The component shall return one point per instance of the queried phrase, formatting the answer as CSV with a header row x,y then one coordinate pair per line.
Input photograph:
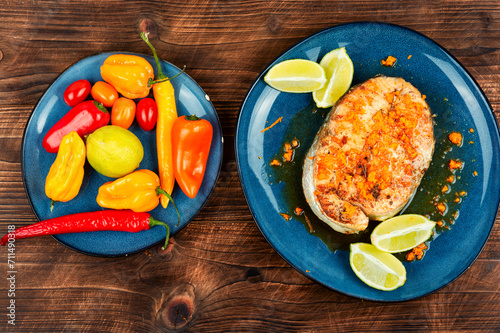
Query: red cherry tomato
x,y
147,113
123,112
76,92
104,93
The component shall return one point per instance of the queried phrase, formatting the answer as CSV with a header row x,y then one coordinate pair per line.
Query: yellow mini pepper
x,y
129,74
66,173
138,191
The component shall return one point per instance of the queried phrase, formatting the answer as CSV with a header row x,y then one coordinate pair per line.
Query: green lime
x,y
114,151
296,76
339,72
402,233
378,269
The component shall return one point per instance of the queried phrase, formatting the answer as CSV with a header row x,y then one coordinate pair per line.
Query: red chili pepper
x,y
84,119
115,220
147,113
77,92
191,140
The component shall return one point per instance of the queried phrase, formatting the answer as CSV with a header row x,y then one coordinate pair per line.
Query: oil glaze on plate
x,y
457,103
190,99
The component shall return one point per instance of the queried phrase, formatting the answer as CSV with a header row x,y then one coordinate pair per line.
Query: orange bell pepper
x,y
129,74
191,141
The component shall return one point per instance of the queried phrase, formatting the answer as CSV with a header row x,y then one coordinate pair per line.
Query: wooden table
x,y
220,274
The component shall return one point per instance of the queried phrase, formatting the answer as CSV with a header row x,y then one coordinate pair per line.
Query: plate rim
x,y
303,40
30,118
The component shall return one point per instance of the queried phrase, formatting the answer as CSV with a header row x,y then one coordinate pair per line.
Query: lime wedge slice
x,y
296,76
378,269
339,71
402,233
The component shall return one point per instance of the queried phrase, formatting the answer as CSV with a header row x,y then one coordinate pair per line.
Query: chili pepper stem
x,y
145,37
165,193
151,82
160,77
153,222
52,203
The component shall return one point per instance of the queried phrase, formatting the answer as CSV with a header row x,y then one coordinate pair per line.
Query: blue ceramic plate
x,y
190,98
458,105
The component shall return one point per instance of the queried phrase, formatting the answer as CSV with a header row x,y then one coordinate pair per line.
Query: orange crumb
x,y
389,62
270,126
275,162
288,154
455,138
471,130
409,57
475,173
416,253
450,179
298,211
410,256
286,216
441,207
457,200
445,189
439,223
455,164
462,193
295,143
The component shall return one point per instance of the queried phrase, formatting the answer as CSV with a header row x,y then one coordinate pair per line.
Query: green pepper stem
x,y
144,36
100,107
52,203
153,222
159,191
192,117
151,82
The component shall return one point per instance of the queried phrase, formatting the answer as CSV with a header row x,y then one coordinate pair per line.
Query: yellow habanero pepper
x,y
138,191
163,92
128,74
66,173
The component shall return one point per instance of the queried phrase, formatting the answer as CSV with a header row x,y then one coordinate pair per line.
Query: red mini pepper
x,y
84,119
77,92
115,220
191,140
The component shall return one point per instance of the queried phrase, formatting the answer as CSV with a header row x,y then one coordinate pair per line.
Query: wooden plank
x,y
219,274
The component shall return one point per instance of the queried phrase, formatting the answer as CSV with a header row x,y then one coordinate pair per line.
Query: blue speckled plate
x,y
458,105
190,98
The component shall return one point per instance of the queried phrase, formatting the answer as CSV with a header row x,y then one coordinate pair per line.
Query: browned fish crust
x,y
370,155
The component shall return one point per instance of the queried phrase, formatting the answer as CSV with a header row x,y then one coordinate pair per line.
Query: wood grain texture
x,y
219,274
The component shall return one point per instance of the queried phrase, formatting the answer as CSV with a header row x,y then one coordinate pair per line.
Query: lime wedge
x,y
378,269
296,76
339,71
402,233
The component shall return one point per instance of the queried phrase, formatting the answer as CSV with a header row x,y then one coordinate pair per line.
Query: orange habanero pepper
x,y
191,140
138,191
129,74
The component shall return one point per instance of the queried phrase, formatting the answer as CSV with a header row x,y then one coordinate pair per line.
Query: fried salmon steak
x,y
370,155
